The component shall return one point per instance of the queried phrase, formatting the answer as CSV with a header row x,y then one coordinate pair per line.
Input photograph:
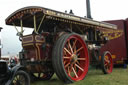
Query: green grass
x,y
119,76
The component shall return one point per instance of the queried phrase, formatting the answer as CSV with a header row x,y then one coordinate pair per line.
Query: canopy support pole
x,y
41,22
21,24
34,18
15,28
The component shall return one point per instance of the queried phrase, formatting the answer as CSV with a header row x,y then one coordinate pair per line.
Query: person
x,y
13,62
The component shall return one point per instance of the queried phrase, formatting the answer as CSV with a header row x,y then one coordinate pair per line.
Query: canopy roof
x,y
26,15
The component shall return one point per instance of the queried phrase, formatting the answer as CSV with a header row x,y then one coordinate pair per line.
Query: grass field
x,y
119,76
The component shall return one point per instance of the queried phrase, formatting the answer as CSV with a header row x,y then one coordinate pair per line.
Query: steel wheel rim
x,y
108,64
75,58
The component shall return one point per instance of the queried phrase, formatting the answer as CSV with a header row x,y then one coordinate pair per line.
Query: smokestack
x,y
88,9
0,42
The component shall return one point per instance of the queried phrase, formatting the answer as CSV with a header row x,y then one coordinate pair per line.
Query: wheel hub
x,y
74,58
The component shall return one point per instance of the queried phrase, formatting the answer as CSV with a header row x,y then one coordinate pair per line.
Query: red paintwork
x,y
108,63
118,46
74,56
33,45
126,32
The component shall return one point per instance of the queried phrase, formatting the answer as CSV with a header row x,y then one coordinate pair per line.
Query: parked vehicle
x,y
118,42
60,42
13,76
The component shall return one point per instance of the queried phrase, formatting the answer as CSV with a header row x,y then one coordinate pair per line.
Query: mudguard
x,y
13,72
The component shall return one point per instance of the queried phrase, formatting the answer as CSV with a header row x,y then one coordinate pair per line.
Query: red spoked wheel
x,y
107,63
70,58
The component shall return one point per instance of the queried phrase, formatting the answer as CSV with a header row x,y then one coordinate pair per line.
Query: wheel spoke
x,y
75,67
106,60
22,78
14,81
65,57
77,62
78,54
64,62
69,70
67,51
81,58
70,46
75,72
74,45
106,57
67,65
79,67
74,49
79,50
17,77
107,67
105,64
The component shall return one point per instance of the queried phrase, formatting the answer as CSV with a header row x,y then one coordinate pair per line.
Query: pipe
x,y
88,9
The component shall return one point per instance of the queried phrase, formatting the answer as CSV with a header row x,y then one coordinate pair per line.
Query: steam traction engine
x,y
61,43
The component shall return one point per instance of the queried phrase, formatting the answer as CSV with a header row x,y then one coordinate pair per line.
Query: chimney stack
x,y
88,9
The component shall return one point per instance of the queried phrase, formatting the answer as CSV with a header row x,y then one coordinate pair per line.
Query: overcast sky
x,y
101,10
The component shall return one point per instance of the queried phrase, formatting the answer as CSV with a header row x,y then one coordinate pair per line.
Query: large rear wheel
x,y
107,63
70,58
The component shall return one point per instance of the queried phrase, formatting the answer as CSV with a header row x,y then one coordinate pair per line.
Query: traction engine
x,y
60,42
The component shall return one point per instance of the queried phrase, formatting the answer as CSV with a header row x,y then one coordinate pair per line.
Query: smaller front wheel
x,y
107,63
21,78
